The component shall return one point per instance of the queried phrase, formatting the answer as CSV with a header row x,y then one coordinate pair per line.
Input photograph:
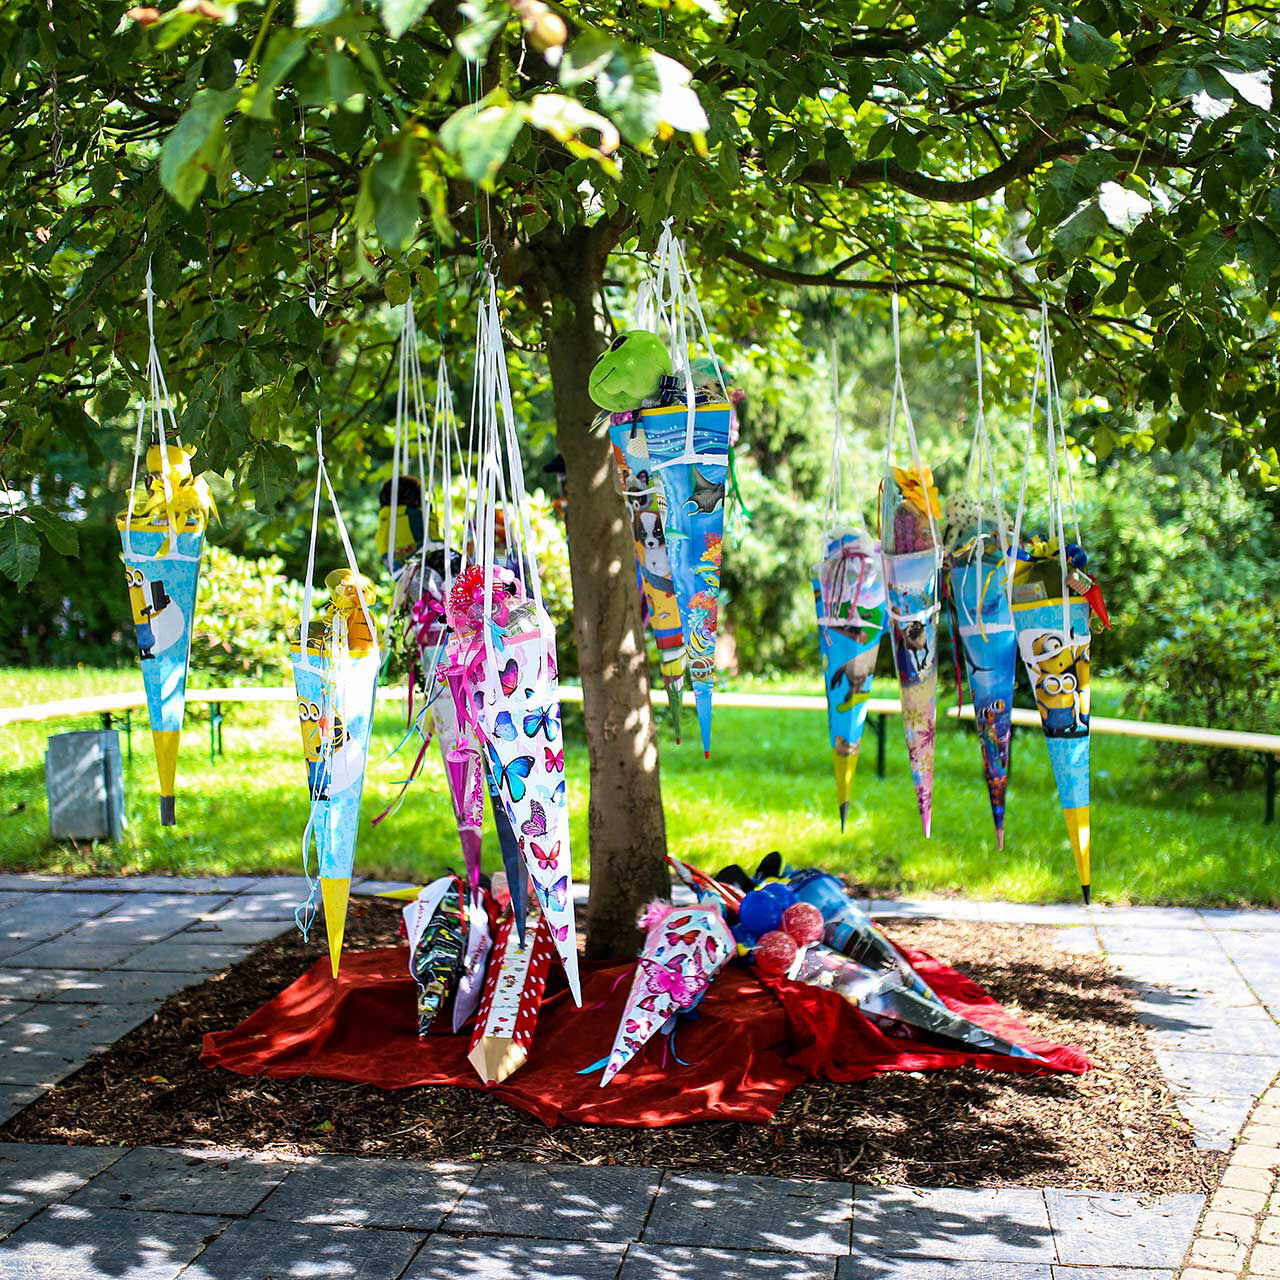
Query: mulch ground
x,y
1113,1129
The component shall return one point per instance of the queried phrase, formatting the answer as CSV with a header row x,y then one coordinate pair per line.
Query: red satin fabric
x,y
750,1044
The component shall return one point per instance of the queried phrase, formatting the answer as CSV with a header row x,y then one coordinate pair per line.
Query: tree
x,y
976,155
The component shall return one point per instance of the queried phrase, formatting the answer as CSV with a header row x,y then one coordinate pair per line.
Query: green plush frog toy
x,y
629,371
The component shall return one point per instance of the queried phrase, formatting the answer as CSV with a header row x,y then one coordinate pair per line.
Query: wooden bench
x,y
110,705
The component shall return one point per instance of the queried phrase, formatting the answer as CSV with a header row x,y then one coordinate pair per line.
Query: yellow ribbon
x,y
924,500
172,497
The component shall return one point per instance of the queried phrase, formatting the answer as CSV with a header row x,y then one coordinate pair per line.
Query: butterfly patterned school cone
x,y
1053,623
335,675
517,682
644,509
849,598
513,989
162,537
911,555
683,949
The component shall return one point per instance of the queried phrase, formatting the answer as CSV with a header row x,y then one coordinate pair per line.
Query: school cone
x,y
845,767
166,746
336,893
1078,831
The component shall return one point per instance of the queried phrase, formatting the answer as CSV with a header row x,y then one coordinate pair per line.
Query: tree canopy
x,y
1118,157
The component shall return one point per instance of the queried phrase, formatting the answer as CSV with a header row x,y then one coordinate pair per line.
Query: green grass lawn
x,y
767,785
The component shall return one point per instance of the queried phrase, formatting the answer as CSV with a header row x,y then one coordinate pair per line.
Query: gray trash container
x,y
85,785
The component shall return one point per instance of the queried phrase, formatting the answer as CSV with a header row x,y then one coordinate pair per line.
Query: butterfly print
x,y
554,760
554,896
560,932
688,939
536,824
504,727
510,677
544,720
513,775
551,795
547,858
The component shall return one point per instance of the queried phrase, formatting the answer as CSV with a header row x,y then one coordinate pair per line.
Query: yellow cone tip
x,y
844,767
166,745
400,895
336,894
1078,831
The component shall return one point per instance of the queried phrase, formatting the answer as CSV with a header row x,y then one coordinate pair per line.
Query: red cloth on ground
x,y
748,1047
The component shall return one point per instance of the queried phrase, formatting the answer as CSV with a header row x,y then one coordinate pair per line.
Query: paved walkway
x,y
82,963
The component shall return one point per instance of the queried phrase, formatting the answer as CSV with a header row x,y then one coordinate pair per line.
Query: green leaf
x,y
191,152
284,49
1122,208
314,13
60,534
938,18
1253,87
399,15
19,548
585,58
395,192
481,137
271,471
1087,46
484,21
631,93
252,148
397,288
1074,236
906,149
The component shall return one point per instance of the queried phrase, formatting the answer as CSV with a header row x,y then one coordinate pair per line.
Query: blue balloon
x,y
780,892
742,935
761,911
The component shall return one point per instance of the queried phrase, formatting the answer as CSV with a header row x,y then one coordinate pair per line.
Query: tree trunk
x,y
627,828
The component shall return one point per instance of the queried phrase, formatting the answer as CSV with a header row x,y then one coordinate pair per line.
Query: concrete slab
x,y
185,1180
671,1262
34,1176
14,1097
67,1243
501,1258
1098,1229
865,1268
570,1202
1129,939
81,986
1214,1075
972,1224
355,1192
184,957
233,931
737,1212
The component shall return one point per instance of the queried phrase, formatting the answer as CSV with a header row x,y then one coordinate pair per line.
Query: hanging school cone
x,y
642,493
513,650
1050,600
911,554
162,535
336,663
849,596
162,539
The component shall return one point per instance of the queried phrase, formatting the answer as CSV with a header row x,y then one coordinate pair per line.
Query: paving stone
x,y
876,1268
355,1192
927,909
671,1262
167,884
1214,1075
81,986
12,899
1112,1273
499,1258
56,911
279,885
185,1181
1128,939
262,1250
1239,1178
13,1097
733,1211
258,906
184,957
1097,1229
30,883
970,1223
1217,1121
1078,941
1242,1031
33,1176
1265,1260
570,1202
68,1243
46,1046
1220,1255
233,931
10,1009
1045,913
70,951
1224,918
1147,917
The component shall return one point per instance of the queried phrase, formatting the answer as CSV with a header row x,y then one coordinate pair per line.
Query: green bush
x,y
1217,666
243,616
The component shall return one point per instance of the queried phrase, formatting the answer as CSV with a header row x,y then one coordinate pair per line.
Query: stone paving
x,y
84,962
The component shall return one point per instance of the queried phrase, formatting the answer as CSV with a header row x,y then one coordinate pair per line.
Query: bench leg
x,y
215,731
880,724
1270,811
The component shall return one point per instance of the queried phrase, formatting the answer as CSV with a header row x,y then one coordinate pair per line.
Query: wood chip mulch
x,y
1113,1129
